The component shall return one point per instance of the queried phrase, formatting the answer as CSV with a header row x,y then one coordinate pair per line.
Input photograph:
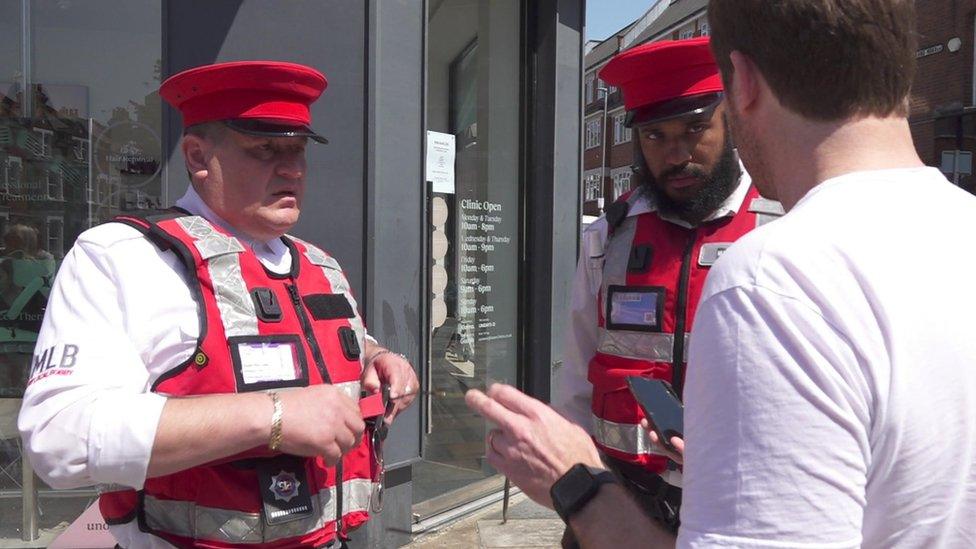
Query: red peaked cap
x,y
659,72
245,90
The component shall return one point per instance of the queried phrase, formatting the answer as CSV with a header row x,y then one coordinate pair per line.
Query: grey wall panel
x,y
395,195
552,195
327,35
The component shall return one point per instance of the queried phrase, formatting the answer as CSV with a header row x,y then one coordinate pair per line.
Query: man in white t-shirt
x,y
831,392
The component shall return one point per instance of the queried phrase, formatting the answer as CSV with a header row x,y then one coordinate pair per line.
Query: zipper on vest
x,y
296,301
681,313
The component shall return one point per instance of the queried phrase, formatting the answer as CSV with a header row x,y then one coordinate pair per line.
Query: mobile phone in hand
x,y
661,405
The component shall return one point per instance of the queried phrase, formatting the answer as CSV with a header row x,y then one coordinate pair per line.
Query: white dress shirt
x,y
831,390
571,392
120,314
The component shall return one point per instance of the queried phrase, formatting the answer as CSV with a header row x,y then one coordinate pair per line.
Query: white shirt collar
x,y
727,208
274,254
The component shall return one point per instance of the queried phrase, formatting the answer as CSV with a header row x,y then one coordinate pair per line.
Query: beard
x,y
717,186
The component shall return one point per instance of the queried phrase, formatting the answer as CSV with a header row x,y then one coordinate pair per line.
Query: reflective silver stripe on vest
x,y
355,495
350,388
333,272
623,437
653,346
766,210
110,488
222,254
208,240
185,519
617,252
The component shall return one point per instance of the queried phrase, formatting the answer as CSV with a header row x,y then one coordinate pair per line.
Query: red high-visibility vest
x,y
653,275
309,314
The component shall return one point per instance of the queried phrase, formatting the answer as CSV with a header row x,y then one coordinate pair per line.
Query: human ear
x,y
745,81
195,155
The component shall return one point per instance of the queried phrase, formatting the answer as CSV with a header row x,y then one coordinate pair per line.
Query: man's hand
x,y
533,445
319,421
387,368
677,442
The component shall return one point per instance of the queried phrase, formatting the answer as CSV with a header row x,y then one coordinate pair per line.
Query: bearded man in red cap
x,y
643,265
212,300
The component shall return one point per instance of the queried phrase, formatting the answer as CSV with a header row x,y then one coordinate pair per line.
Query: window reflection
x,y
80,142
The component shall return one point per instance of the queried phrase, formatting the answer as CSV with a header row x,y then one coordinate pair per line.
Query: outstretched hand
x,y
533,445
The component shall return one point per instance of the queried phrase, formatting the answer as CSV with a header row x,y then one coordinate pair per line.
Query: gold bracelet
x,y
275,441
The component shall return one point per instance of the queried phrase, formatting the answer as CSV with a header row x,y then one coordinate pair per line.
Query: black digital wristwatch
x,y
576,488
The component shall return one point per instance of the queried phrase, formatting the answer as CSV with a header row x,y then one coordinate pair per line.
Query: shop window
x,y
69,118
593,133
474,192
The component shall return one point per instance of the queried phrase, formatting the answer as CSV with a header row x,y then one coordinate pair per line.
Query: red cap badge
x,y
658,79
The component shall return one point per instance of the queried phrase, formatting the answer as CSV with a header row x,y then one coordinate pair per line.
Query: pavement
x,y
529,525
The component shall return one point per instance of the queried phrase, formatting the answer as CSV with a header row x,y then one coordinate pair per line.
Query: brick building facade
x,y
942,115
943,99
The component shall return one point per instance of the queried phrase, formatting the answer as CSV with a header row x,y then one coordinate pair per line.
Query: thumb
x,y
370,380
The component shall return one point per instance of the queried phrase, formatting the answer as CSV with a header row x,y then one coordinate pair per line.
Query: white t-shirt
x,y
831,392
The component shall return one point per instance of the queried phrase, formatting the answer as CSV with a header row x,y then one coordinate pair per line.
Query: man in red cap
x,y
212,300
643,265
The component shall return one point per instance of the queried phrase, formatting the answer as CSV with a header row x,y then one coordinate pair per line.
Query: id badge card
x,y
284,488
635,308
268,362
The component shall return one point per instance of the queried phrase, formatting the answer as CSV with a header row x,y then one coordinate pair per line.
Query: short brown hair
x,y
213,131
824,59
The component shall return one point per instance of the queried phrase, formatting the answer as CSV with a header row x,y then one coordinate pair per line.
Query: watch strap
x,y
577,487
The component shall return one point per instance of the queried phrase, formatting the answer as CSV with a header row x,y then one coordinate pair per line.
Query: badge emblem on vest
x,y
284,486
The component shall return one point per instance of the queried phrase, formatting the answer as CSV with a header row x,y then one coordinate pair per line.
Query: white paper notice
x,y
267,361
440,161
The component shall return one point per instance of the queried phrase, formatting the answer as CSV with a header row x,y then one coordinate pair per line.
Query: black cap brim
x,y
268,128
698,105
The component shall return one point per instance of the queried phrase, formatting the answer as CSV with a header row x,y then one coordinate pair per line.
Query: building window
x,y
55,184
55,236
685,34
592,190
44,141
704,29
588,88
621,182
12,169
593,133
80,148
621,133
